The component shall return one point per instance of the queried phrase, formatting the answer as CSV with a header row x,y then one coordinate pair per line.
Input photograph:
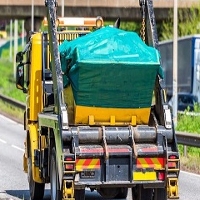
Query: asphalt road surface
x,y
13,181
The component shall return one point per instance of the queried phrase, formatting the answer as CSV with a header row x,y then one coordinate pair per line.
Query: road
x,y
13,181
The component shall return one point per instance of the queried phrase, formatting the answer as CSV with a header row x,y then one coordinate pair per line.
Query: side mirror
x,y
19,57
20,77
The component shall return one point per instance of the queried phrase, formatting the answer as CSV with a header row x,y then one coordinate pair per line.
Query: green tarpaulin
x,y
110,68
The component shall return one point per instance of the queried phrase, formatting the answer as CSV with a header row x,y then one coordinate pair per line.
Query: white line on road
x,y
3,141
10,120
191,174
17,148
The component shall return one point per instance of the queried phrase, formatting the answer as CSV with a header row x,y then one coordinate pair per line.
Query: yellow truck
x,y
96,114
3,34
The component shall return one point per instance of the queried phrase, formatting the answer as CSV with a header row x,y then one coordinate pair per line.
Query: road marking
x,y
17,148
190,173
3,141
7,119
10,120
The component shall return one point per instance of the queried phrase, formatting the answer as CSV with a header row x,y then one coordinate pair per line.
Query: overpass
x,y
109,9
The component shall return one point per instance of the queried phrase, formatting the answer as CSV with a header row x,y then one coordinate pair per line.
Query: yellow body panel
x,y
33,130
144,176
111,116
35,85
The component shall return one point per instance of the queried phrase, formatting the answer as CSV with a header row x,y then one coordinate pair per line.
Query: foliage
x,y
20,24
126,25
7,80
189,123
188,23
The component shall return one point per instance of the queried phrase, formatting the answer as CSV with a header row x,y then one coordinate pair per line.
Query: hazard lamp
x,y
172,161
161,176
99,22
77,21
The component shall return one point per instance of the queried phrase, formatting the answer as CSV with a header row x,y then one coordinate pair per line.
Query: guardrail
x,y
188,139
12,102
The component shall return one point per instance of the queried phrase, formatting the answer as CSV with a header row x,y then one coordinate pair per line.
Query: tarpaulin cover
x,y
110,68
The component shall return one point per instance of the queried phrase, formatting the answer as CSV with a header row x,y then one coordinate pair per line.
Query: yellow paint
x,y
35,85
33,130
91,120
111,116
172,188
112,120
68,192
133,120
157,164
69,100
143,163
82,164
144,176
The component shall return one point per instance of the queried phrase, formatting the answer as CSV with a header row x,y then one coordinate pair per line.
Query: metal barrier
x,y
12,102
188,139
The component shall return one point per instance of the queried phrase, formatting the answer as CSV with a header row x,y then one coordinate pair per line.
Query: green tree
x,y
188,23
126,25
19,27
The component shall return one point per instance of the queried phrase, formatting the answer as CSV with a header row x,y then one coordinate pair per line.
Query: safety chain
x,y
142,30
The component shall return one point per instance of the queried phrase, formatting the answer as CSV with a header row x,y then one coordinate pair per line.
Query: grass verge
x,y
11,112
190,163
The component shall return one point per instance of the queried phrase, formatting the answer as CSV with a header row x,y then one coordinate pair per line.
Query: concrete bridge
x,y
109,9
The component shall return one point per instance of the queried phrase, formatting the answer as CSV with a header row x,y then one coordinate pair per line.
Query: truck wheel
x,y
80,194
141,193
122,193
108,193
36,189
55,188
160,193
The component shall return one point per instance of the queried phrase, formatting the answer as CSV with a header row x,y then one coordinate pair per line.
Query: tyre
x,y
122,193
80,194
55,187
160,194
36,189
141,193
108,193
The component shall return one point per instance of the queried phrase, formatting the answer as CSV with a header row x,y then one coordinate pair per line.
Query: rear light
x,y
172,162
161,176
172,157
69,164
69,167
68,159
99,22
